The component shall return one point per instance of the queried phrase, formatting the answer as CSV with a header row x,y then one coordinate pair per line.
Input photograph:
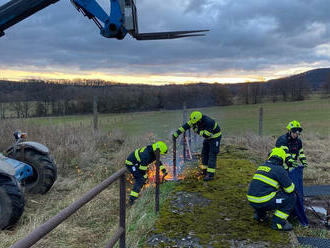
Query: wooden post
x,y
95,120
260,121
189,140
174,158
2,111
157,180
184,134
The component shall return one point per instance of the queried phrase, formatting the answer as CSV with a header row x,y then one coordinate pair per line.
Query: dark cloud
x,y
245,35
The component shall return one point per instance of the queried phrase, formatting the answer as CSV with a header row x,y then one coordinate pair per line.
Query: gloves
x,y
164,175
305,164
175,135
292,163
163,169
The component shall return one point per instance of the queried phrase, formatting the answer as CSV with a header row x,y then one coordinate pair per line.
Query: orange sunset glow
x,y
179,78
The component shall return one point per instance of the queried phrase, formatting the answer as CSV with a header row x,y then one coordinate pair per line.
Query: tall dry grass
x,y
84,159
70,144
316,148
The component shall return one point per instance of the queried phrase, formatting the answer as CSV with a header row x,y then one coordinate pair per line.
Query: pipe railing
x,y
52,223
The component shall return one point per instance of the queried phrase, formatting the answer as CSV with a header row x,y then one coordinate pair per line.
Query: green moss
x,y
228,216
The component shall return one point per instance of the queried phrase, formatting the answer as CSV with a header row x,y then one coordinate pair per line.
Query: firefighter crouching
x,y
210,130
272,189
137,164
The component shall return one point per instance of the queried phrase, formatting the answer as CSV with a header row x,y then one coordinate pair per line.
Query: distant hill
x,y
315,78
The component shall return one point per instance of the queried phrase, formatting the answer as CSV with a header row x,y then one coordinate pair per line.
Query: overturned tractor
x,y
26,167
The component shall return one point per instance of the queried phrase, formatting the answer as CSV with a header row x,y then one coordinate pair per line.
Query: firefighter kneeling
x,y
272,189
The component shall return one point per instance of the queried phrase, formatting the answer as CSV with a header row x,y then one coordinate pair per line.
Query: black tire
x,y
11,202
44,170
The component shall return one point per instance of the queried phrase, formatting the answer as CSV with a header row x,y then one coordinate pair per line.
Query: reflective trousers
x,y
139,179
282,202
210,150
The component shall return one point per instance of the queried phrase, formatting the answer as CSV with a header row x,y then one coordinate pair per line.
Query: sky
x,y
249,40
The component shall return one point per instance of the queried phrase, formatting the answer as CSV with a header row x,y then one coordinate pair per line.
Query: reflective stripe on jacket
x,y
206,127
141,157
268,179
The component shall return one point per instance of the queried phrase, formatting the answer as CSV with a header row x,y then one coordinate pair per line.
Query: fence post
x,y
95,120
184,133
174,158
260,121
2,111
122,211
157,180
189,139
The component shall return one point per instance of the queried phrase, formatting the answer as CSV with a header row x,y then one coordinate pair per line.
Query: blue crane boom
x,y
121,20
17,10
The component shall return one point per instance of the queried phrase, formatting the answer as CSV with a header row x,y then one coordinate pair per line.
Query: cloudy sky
x,y
248,40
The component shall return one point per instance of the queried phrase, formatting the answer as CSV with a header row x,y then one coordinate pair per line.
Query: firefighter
x,y
211,131
137,164
291,143
272,189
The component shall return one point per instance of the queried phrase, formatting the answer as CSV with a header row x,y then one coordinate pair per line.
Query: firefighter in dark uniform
x,y
137,164
292,145
272,189
211,131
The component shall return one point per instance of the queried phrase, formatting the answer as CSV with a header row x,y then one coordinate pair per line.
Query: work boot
x,y
280,227
209,176
260,218
131,201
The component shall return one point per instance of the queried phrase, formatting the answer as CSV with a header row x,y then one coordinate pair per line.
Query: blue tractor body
x,y
22,170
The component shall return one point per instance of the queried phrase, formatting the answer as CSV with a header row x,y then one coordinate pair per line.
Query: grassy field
x,y
85,158
314,116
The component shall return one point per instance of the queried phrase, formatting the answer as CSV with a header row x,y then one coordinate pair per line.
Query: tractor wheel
x,y
44,170
11,201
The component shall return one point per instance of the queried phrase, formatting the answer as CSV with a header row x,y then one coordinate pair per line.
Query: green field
x,y
314,115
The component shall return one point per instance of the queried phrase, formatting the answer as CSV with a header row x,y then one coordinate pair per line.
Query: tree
x,y
40,109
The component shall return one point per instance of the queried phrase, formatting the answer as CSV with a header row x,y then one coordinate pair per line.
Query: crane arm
x,y
17,10
111,27
121,20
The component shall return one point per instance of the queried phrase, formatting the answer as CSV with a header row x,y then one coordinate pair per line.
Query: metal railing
x,y
51,224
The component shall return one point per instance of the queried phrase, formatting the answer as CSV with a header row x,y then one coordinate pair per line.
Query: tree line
x,y
34,98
